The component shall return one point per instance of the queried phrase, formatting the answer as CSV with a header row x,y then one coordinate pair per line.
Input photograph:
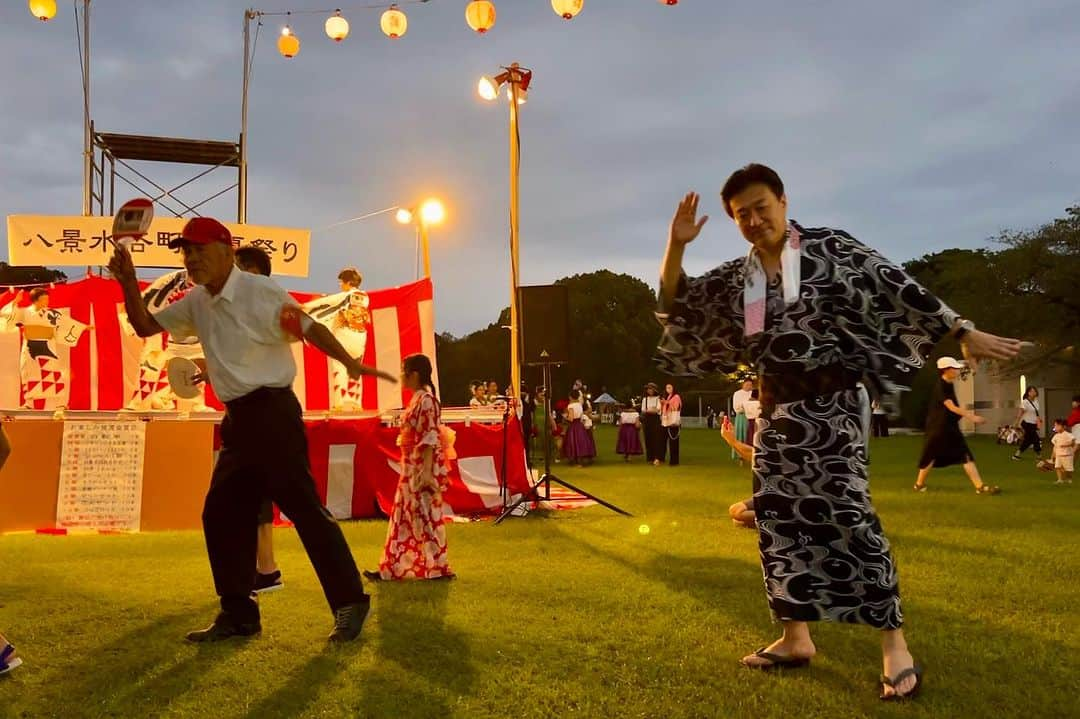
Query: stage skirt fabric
x,y
823,552
629,441
579,443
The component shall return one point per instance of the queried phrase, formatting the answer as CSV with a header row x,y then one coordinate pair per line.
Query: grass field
x,y
570,614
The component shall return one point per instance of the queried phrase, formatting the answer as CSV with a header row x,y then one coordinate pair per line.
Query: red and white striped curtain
x,y
102,369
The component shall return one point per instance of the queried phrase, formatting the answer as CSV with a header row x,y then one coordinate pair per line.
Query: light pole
x,y
430,212
516,79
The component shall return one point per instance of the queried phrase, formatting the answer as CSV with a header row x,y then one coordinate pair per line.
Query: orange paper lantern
x,y
567,9
288,44
480,15
394,23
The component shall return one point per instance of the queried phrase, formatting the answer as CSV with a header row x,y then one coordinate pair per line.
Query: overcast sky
x,y
916,126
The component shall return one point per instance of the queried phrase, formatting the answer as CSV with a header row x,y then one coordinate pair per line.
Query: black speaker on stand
x,y
544,314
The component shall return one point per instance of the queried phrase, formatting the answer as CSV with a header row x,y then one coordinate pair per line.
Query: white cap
x,y
949,363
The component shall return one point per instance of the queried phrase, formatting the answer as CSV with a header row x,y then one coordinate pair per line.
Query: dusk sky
x,y
916,126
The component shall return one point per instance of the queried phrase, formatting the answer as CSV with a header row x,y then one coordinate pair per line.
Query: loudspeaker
x,y
544,312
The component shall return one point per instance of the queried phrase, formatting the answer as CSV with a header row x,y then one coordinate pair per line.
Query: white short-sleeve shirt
x,y
1030,411
240,332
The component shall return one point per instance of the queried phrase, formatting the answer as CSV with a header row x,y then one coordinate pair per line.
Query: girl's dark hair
x,y
752,174
421,365
255,257
575,394
1061,422
1076,398
351,276
37,293
1030,389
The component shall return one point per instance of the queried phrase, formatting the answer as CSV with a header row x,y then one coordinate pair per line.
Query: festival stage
x,y
149,471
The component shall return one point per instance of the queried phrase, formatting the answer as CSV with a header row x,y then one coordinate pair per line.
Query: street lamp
x,y
516,79
430,212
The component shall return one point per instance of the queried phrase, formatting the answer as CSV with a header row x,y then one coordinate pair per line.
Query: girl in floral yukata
x,y
812,310
416,538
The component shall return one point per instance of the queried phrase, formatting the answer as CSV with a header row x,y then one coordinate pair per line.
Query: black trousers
x,y
264,455
671,439
655,443
1031,438
880,423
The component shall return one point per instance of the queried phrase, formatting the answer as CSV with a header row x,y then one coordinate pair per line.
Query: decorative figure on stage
x,y
43,374
813,311
246,323
416,536
350,327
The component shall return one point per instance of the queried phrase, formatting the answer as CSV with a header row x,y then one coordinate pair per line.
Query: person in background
x,y
655,444
479,394
629,441
752,410
1073,420
492,391
9,658
1029,417
541,422
350,327
945,442
742,513
1065,449
879,419
256,260
738,402
671,421
416,536
578,447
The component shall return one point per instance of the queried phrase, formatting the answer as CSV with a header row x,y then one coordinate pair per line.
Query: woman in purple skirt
x,y
629,442
578,447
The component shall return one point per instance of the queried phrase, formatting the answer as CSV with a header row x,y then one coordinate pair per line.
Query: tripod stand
x,y
534,494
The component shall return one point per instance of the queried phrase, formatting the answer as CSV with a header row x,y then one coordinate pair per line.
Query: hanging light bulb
x,y
403,216
567,9
394,23
337,27
480,15
288,44
43,10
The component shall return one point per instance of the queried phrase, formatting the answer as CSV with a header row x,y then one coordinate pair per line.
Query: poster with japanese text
x,y
101,473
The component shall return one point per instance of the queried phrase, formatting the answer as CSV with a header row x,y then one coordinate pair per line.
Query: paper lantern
x,y
567,9
668,2
288,44
394,23
43,10
480,14
337,27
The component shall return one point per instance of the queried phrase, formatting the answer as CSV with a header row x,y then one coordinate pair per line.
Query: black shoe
x,y
225,627
372,576
268,582
348,621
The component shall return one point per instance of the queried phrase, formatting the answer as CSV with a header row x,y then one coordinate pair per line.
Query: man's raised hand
x,y
684,225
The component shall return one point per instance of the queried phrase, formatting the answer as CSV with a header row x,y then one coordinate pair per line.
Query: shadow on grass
x,y
425,666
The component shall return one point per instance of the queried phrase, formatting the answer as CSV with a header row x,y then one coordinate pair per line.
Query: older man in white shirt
x,y
245,323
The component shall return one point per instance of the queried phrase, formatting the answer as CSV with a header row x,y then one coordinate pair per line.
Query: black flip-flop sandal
x,y
895,696
778,662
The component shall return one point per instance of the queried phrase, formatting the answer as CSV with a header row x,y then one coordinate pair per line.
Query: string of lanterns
x,y
479,16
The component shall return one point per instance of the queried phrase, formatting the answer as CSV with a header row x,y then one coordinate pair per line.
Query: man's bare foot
x,y
786,648
893,663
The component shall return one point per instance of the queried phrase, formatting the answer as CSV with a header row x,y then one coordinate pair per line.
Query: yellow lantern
x,y
43,10
480,14
567,9
394,23
288,44
337,27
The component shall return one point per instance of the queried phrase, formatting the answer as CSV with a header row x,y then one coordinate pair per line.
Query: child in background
x,y
629,442
1065,448
742,513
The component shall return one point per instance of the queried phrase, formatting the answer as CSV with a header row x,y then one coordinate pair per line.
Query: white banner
x,y
64,241
101,473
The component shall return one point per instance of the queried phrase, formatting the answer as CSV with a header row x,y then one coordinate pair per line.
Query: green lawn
x,y
572,613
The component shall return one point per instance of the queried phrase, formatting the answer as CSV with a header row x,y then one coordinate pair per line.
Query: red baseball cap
x,y
202,231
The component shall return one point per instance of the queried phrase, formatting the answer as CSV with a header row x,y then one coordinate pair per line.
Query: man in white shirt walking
x,y
245,323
